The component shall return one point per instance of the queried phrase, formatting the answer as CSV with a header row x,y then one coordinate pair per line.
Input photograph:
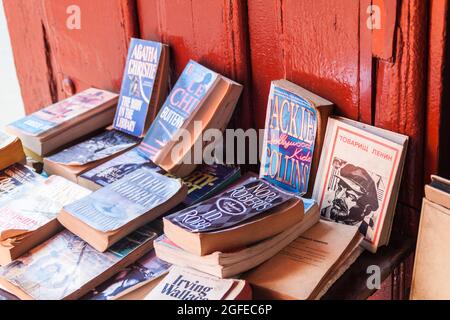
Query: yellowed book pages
x,y
299,269
432,263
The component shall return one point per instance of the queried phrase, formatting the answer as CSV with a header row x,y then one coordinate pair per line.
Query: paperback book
x,y
200,96
209,180
233,263
11,150
361,169
115,169
28,216
79,158
144,86
188,284
295,122
66,267
15,176
128,281
110,213
307,267
56,125
248,212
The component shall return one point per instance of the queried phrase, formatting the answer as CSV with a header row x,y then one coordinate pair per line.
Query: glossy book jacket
x,y
137,86
291,128
191,88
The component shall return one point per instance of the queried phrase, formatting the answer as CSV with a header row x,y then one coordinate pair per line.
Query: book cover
x,y
15,176
191,88
209,180
358,170
137,86
65,263
113,206
35,204
188,284
250,198
96,148
118,167
291,127
52,116
144,270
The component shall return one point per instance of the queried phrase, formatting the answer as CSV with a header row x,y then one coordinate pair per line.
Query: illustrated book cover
x,y
108,214
295,124
360,173
144,86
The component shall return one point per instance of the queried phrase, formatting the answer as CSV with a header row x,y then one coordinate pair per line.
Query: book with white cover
x,y
360,172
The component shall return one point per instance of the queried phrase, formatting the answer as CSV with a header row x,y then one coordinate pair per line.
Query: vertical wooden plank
x,y
312,43
436,84
32,55
214,33
400,101
46,51
95,54
365,64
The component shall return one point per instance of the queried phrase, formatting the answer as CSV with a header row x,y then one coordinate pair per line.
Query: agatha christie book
x,y
294,117
54,126
144,85
200,96
115,169
11,150
66,267
360,173
246,213
28,216
110,213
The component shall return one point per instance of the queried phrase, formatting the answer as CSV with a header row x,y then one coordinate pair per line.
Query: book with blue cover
x,y
115,169
294,118
58,124
209,180
200,96
66,267
96,148
191,88
110,213
71,162
144,85
15,176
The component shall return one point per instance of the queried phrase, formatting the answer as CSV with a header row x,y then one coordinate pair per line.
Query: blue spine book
x,y
138,86
290,134
185,98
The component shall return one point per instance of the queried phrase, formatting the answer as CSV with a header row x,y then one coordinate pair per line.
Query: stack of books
x,y
124,209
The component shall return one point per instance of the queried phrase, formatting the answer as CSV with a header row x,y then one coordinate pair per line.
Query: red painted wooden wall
x,y
393,77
